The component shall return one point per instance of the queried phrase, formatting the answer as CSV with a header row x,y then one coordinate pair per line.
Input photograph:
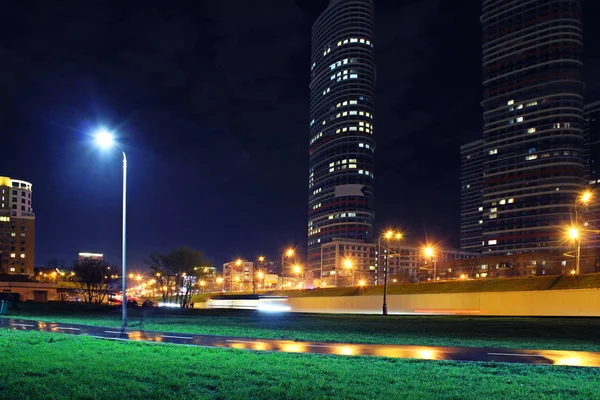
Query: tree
x,y
94,279
181,268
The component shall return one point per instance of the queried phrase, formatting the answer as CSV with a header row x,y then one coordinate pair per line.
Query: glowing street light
x,y
574,234
105,139
429,252
297,269
260,259
348,264
388,235
288,253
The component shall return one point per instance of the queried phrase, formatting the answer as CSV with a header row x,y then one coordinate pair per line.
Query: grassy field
x,y
528,333
46,365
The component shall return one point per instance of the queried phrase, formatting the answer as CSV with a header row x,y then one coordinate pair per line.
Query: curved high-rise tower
x,y
533,122
341,139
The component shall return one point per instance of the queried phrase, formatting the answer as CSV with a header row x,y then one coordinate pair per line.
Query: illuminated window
x,y
531,157
519,106
492,242
22,255
12,255
519,119
494,151
4,219
532,103
510,102
353,76
493,209
511,201
480,209
531,130
493,216
502,202
481,221
12,269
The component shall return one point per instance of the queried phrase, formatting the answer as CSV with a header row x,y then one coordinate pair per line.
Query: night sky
x,y
210,101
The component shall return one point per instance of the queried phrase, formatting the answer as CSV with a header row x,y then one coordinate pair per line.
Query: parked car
x,y
148,303
132,303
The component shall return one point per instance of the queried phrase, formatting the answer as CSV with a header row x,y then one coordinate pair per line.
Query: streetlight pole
x,y
388,235
105,139
123,259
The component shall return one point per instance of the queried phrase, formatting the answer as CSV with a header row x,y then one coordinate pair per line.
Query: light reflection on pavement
x,y
548,357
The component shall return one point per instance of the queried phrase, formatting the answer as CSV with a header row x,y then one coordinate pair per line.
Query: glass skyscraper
x,y
341,133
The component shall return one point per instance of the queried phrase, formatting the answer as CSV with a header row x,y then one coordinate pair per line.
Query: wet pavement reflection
x,y
548,357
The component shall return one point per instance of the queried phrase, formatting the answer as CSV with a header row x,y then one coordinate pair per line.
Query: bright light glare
x,y
586,197
361,283
270,307
573,233
104,138
348,263
429,252
289,252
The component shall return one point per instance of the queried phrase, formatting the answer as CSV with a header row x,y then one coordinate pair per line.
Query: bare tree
x,y
93,278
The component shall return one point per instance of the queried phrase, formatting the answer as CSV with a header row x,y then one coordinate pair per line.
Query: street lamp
x,y
429,252
105,139
297,270
260,259
388,235
348,265
574,235
288,253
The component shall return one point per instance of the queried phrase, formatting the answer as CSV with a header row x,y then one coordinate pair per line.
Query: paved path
x,y
549,357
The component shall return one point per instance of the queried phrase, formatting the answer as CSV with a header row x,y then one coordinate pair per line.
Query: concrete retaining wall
x,y
580,302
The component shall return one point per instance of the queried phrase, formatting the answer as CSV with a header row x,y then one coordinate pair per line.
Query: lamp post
x,y
259,260
297,271
574,235
288,253
430,252
388,235
574,232
105,139
348,265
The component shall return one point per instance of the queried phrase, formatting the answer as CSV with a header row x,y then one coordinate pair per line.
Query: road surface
x,y
548,357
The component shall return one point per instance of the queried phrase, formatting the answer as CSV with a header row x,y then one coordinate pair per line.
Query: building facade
x,y
85,257
341,132
533,161
591,113
17,227
346,262
237,276
471,209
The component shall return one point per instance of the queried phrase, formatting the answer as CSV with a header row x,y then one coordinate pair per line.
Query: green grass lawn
x,y
528,333
39,365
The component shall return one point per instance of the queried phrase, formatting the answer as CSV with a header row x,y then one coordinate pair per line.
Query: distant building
x,y
344,261
17,227
471,209
591,113
533,149
341,129
87,257
237,276
409,263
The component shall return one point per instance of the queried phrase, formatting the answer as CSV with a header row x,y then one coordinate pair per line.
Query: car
x,y
148,303
132,303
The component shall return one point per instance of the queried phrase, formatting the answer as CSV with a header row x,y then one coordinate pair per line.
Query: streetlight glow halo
x,y
104,138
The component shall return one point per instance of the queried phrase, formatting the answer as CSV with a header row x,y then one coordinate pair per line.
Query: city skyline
x,y
423,115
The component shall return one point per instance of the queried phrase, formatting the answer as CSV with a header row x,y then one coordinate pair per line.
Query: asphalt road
x,y
548,357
